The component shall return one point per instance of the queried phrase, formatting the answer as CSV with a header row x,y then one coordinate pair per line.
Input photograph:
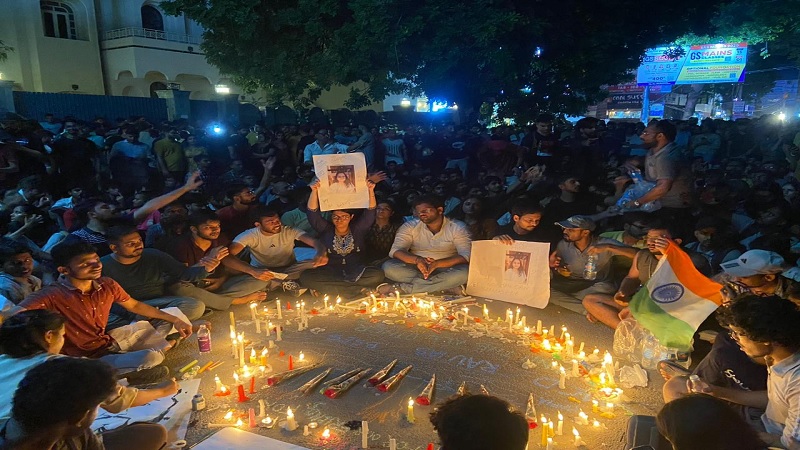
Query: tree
x,y
4,51
525,55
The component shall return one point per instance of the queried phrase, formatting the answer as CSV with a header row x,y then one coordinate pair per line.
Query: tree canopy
x,y
527,55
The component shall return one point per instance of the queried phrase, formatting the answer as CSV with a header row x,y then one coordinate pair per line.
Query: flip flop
x,y
670,369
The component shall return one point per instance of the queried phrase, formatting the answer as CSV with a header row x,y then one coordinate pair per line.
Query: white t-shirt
x,y
271,251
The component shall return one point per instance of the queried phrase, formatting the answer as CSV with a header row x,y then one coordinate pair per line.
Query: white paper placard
x,y
516,273
236,439
342,181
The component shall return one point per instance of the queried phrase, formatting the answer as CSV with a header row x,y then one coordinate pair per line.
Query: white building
x,y
111,47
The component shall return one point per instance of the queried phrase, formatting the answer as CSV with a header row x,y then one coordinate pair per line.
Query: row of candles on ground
x,y
247,374
549,430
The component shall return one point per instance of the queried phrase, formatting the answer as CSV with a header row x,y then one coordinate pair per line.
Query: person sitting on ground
x,y
99,215
703,422
84,297
473,213
761,272
346,273
766,327
31,338
569,284
429,254
152,276
205,240
55,404
380,236
526,215
235,218
16,272
479,422
633,232
271,249
715,241
608,309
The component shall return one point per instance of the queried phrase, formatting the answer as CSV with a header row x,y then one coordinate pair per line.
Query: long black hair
x,y
22,335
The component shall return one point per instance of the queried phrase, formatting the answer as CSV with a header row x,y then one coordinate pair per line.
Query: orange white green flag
x,y
676,300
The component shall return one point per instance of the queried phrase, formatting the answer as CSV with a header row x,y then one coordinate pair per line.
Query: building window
x,y
152,18
58,20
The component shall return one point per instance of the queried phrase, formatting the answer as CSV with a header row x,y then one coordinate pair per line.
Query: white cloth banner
x,y
342,181
516,273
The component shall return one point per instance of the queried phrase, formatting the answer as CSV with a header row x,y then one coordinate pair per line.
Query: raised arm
x,y
192,183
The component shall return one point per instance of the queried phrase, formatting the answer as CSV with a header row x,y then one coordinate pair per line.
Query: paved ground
x,y
354,340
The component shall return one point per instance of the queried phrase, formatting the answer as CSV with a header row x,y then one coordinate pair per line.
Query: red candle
x,y
430,446
242,398
253,385
291,363
252,415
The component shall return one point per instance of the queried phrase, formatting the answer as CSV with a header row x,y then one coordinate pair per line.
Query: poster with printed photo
x,y
343,182
516,273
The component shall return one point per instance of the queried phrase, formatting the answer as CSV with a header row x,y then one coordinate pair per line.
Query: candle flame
x,y
434,316
229,415
575,432
233,335
560,417
264,352
326,434
236,376
301,357
596,423
240,337
239,423
561,369
410,402
583,415
253,306
607,358
289,413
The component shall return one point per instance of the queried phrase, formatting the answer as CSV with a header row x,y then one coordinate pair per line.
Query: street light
x,y
782,116
405,103
222,89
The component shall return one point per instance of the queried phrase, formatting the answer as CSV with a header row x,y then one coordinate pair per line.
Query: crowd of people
x,y
106,222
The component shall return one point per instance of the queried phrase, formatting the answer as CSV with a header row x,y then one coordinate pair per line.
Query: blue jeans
x,y
411,279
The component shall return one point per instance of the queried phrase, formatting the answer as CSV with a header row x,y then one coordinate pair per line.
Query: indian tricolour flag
x,y
676,300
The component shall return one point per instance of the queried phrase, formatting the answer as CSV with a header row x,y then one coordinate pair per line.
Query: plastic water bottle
x,y
649,349
590,269
636,175
204,339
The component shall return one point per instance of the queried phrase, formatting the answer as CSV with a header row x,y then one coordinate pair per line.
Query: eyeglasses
x,y
735,335
340,218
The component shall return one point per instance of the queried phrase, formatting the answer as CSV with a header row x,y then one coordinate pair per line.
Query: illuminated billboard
x,y
707,63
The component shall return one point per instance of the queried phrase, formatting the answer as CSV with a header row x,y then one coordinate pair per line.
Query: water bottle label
x,y
204,343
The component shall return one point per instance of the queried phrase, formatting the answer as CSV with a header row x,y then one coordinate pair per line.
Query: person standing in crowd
x,y
128,161
170,155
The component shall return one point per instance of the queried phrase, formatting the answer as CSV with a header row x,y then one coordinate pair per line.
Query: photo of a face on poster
x,y
516,267
343,181
517,273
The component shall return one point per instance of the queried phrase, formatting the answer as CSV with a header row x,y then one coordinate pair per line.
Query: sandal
x,y
671,369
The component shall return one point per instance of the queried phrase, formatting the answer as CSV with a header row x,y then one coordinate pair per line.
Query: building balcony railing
x,y
121,33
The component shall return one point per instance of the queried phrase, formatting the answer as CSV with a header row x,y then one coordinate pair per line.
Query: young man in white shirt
x,y
430,254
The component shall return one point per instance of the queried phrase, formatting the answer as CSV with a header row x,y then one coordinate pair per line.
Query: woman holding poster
x,y
346,273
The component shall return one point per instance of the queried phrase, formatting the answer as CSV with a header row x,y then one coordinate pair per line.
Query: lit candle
x,y
554,365
544,333
434,316
610,407
253,310
253,384
264,354
269,330
229,415
595,405
239,423
278,333
374,300
563,332
582,419
580,349
560,429
410,412
510,317
385,306
338,302
218,383
562,379
240,340
233,323
325,299
301,357
544,430
234,345
527,330
485,312
240,389
567,336
575,372
253,357
570,349
551,430
326,434
549,444
516,316
538,327
466,314
582,355
546,345
291,424
364,434
278,304
596,424
557,348
609,363
577,442
602,379
303,307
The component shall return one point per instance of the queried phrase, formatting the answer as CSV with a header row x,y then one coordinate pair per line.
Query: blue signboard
x,y
699,64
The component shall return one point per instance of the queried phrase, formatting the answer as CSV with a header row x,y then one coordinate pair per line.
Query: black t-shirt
x,y
534,236
726,365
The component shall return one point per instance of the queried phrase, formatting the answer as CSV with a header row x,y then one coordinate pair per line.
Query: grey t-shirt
x,y
270,251
575,259
665,164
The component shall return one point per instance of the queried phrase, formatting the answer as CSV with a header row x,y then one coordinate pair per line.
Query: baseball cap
x,y
582,222
754,262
